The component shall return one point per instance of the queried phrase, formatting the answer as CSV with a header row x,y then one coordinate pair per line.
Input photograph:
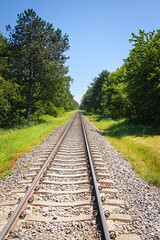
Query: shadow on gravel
x,y
101,133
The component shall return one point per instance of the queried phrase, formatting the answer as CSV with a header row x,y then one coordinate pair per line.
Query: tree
x,y
133,90
9,94
93,99
9,102
37,59
114,94
143,77
87,100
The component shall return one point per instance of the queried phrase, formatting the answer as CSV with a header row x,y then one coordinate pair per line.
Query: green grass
x,y
14,143
139,144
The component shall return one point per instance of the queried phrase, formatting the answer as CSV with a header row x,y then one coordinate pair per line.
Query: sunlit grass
x,y
14,143
139,144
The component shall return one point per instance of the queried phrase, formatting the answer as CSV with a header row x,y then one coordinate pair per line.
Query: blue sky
x,y
98,30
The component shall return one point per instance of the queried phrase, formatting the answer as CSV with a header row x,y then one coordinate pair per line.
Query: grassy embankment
x,y
14,143
139,144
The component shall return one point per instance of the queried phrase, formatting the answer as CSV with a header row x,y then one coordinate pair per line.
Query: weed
x,y
6,173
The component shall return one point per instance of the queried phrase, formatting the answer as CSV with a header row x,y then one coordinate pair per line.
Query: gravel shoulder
x,y
24,163
142,201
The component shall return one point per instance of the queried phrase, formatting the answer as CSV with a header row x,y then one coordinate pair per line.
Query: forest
x,y
133,90
33,74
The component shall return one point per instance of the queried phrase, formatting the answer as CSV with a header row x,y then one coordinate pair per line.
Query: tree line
x,y
33,75
133,90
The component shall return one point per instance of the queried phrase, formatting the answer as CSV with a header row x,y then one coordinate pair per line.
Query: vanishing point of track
x,y
71,182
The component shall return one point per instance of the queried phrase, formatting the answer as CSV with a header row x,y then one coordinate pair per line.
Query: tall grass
x,y
139,144
14,143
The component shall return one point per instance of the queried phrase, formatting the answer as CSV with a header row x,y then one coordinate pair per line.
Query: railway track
x,y
67,194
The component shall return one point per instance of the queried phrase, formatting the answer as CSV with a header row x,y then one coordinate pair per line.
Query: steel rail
x,y
99,203
21,206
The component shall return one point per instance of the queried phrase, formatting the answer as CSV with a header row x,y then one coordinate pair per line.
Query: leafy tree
x,y
133,90
114,95
86,103
93,99
9,92
37,59
143,77
9,102
97,90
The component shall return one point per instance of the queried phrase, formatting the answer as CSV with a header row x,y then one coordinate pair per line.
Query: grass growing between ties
x,y
139,144
14,143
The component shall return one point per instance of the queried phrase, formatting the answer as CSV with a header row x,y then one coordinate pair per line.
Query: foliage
x,y
36,58
9,102
93,99
115,99
9,91
32,71
133,90
143,77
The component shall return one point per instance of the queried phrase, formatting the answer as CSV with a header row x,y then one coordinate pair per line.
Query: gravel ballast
x,y
142,201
